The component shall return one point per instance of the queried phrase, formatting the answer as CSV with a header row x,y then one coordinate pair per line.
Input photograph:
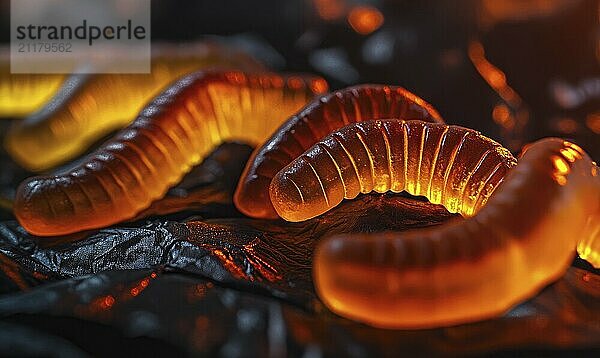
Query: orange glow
x,y
593,122
102,303
268,271
575,147
39,276
494,11
319,85
295,83
561,170
330,9
501,115
365,19
142,285
561,165
107,302
571,154
228,262
197,292
567,125
202,288
11,270
492,74
23,94
514,125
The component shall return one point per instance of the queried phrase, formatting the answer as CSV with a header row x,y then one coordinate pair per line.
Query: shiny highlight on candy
x,y
453,166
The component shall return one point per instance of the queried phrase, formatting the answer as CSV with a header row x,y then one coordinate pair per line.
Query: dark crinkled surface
x,y
201,279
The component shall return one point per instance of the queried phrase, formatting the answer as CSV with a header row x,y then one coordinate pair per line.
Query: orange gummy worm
x,y
450,165
465,270
22,94
89,107
322,116
173,133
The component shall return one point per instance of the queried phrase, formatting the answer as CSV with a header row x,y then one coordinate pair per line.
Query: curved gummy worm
x,y
453,166
89,107
322,116
23,94
465,270
170,135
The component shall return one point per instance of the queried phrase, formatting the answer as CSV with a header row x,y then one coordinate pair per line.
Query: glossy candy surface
x,y
523,238
453,166
23,94
313,123
169,136
89,107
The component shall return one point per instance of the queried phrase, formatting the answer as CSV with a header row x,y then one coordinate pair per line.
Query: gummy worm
x,y
89,107
23,94
173,133
300,132
453,166
508,248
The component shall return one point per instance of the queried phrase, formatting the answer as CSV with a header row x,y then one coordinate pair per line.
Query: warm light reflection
x,y
574,146
561,170
21,95
495,11
330,9
593,122
571,154
319,85
566,125
141,285
11,270
502,116
365,19
561,165
107,302
513,125
589,247
229,264
492,74
102,303
266,270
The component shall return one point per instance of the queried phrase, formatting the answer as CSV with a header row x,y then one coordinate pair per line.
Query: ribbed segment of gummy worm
x,y
313,123
506,250
170,135
453,166
89,107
